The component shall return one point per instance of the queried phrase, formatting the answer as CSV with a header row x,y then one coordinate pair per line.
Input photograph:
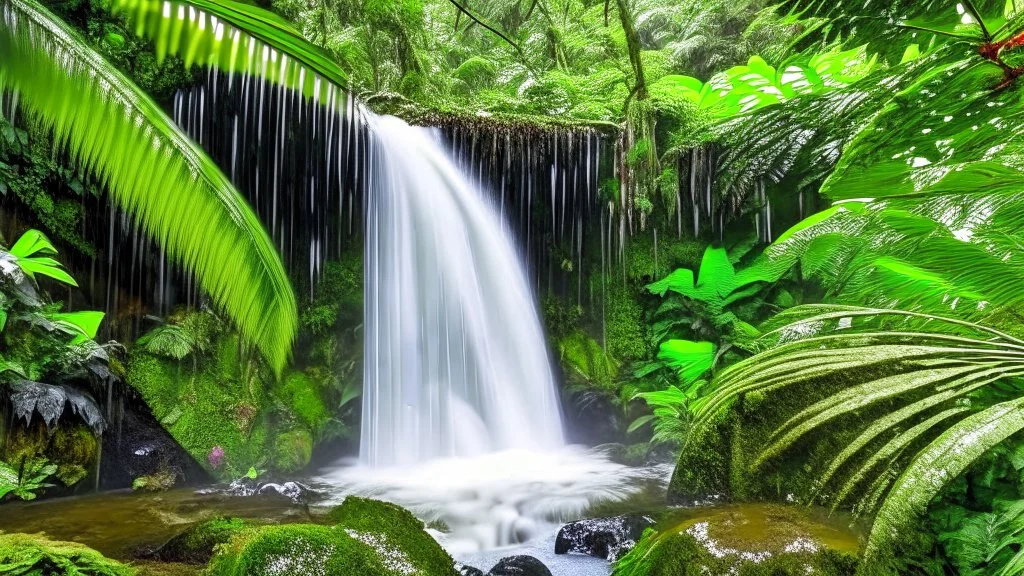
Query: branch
x,y
497,33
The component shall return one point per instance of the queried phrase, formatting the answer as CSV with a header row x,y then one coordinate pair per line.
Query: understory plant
x,y
50,364
912,369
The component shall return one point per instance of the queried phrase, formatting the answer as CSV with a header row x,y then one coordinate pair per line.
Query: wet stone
x,y
519,566
607,538
464,570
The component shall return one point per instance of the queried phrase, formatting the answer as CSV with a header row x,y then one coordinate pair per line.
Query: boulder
x,y
464,570
519,566
392,529
607,538
196,544
36,554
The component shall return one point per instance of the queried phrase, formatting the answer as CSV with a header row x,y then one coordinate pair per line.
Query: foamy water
x,y
499,499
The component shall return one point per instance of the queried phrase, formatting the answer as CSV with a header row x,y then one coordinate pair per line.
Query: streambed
x,y
481,509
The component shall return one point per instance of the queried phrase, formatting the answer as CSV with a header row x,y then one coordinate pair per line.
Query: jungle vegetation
x,y
887,323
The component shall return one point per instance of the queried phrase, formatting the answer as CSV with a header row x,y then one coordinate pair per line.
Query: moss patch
x,y
296,550
394,527
196,544
292,450
30,555
747,540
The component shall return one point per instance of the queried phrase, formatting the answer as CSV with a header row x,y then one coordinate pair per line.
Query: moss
x,y
680,554
292,451
399,528
23,554
584,359
304,399
625,328
157,482
296,550
196,544
71,447
203,409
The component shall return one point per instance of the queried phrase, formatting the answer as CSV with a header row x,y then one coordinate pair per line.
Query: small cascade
x,y
455,358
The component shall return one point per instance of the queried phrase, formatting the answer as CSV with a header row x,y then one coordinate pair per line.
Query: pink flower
x,y
216,457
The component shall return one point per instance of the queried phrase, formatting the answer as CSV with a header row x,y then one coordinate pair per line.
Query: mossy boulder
x,y
196,544
30,555
301,550
745,540
71,447
292,450
385,525
682,554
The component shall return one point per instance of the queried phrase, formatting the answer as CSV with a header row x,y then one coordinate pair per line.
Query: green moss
x,y
203,409
296,550
31,555
293,450
71,447
157,482
399,528
586,363
196,544
680,554
304,399
625,328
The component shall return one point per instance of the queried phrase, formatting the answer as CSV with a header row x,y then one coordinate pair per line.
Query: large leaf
x,y
31,254
690,360
48,400
903,376
151,170
938,464
234,37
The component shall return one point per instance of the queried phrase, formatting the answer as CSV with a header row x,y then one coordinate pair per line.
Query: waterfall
x,y
455,359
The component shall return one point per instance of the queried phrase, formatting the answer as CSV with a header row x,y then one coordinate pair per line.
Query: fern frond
x,y
151,170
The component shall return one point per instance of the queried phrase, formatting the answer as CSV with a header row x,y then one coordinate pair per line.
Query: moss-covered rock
x,y
745,540
203,410
292,450
71,447
159,481
31,555
300,550
385,525
196,544
682,554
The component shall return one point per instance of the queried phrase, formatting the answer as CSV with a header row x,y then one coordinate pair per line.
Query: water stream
x,y
455,358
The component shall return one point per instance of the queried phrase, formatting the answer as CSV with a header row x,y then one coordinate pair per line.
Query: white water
x,y
455,358
500,499
461,422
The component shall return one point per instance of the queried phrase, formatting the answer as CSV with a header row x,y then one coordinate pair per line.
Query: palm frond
x,y
151,170
902,379
234,37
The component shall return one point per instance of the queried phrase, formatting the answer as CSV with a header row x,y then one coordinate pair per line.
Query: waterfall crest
x,y
455,358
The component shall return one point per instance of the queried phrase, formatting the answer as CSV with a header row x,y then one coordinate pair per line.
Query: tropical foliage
x,y
151,170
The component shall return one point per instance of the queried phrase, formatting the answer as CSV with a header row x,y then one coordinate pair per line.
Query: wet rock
x,y
607,538
296,492
519,566
137,445
195,545
464,570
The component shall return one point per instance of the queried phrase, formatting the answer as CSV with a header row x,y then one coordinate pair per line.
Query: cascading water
x,y
460,419
455,361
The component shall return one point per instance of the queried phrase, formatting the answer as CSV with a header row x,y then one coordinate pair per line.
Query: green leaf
x,y
152,171
86,323
236,38
689,359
